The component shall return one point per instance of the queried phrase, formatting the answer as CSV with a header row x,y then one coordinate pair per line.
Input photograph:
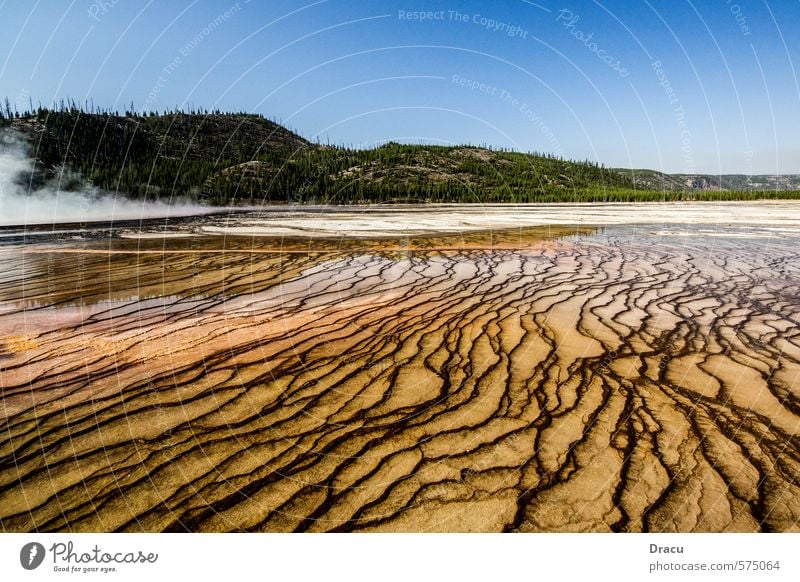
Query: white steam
x,y
20,205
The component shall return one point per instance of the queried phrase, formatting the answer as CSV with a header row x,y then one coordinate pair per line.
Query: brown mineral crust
x,y
496,381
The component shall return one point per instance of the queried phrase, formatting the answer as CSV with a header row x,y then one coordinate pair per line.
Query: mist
x,y
21,205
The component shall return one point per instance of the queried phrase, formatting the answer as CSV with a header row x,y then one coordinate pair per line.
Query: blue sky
x,y
703,86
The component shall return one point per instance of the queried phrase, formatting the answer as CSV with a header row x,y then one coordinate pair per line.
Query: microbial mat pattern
x,y
610,380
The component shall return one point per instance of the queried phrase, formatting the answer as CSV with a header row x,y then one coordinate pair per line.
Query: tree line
x,y
243,158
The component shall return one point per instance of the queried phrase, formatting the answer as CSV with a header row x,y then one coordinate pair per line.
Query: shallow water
x,y
567,377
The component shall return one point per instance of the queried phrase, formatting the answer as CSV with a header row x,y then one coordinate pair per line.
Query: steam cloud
x,y
20,205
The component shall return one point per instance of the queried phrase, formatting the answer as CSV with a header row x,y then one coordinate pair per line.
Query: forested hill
x,y
652,180
238,158
158,156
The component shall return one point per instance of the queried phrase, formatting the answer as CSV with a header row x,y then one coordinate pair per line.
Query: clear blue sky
x,y
701,86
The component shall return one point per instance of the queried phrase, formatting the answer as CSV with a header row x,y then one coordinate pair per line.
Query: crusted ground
x,y
503,382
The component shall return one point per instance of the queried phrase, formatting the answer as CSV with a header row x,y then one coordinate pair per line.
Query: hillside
x,y
237,158
653,180
151,155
